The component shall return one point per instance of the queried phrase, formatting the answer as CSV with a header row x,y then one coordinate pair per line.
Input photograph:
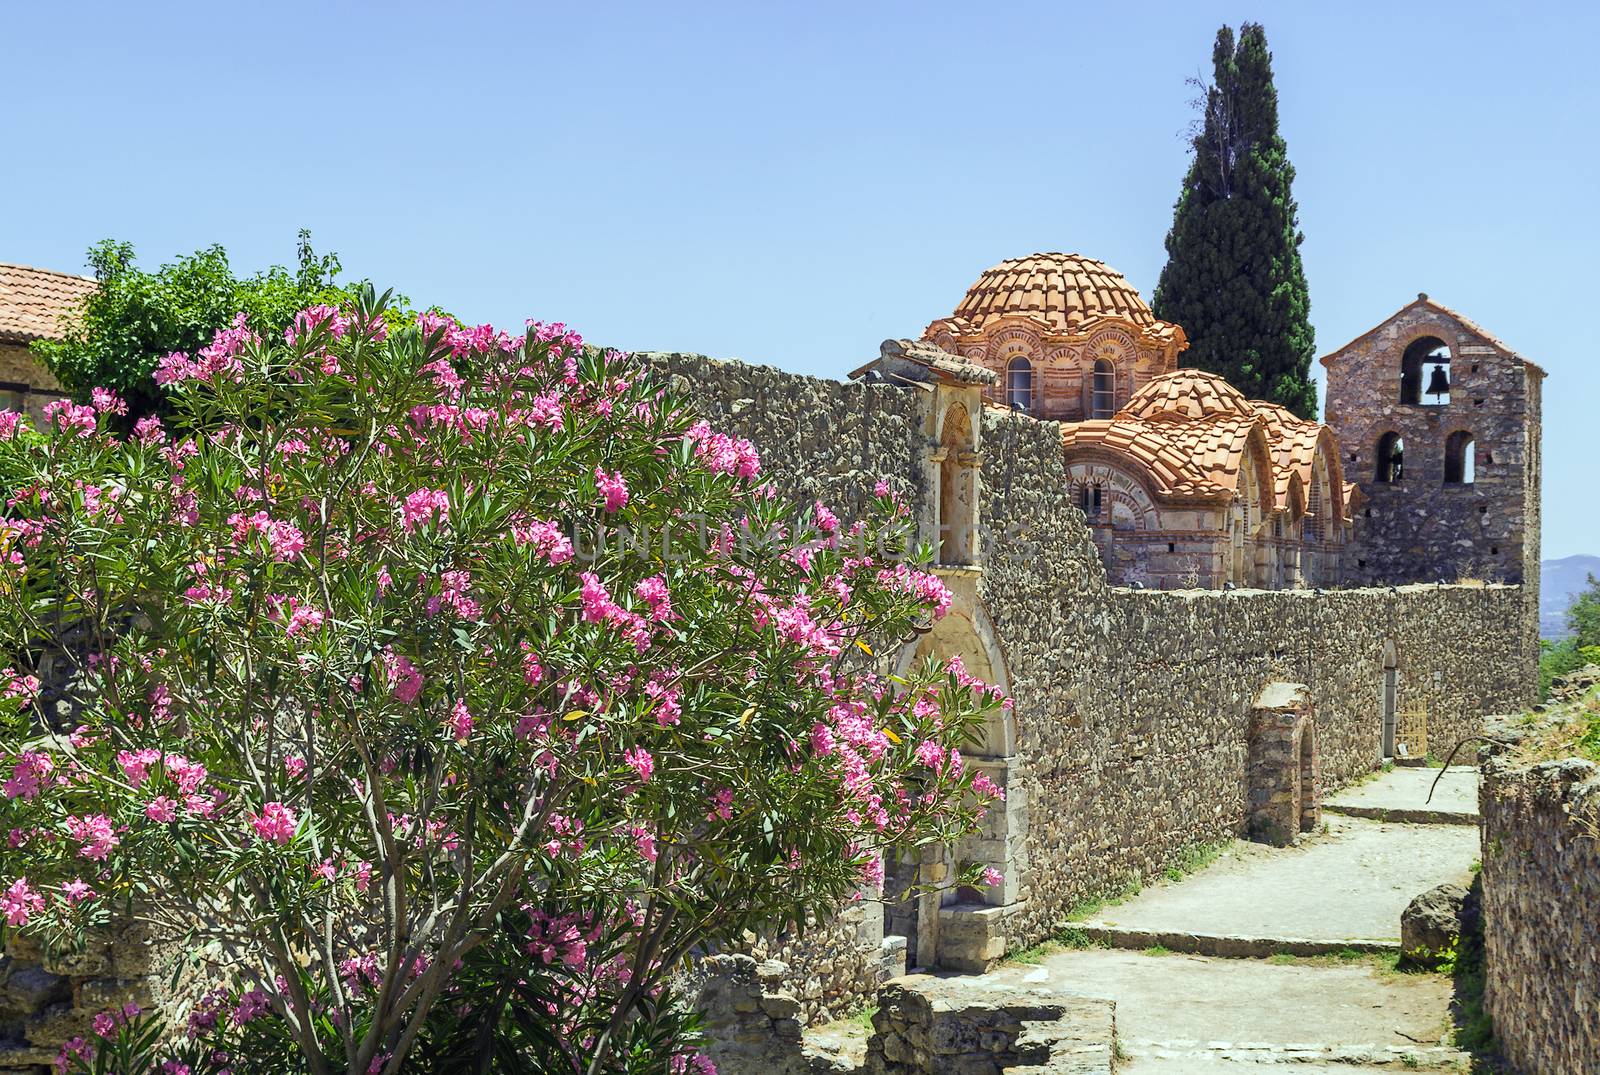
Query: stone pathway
x,y
1341,888
1344,887
1178,1013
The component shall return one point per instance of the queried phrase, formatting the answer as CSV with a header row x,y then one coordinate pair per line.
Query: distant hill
x,y
1559,582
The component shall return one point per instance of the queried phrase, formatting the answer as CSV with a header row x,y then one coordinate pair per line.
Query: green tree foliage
x,y
1233,277
135,316
1582,644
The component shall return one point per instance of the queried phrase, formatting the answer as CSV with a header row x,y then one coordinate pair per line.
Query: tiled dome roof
x,y
1187,395
1063,290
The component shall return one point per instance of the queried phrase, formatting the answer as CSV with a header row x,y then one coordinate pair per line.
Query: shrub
x,y
363,694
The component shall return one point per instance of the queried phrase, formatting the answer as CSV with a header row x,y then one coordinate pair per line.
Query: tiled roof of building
x,y
1063,290
1186,394
1166,451
1294,447
1192,431
33,301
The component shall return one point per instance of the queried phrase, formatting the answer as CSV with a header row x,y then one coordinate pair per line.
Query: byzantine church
x,y
1185,482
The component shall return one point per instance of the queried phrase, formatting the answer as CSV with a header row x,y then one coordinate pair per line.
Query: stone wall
x,y
1541,876
44,1000
25,384
923,1025
1132,710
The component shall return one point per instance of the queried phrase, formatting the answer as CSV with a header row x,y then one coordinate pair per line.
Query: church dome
x,y
1187,395
1063,290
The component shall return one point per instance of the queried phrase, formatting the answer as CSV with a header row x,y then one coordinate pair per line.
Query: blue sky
x,y
791,183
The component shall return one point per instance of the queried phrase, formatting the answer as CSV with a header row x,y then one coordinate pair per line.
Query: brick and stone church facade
x,y
1184,482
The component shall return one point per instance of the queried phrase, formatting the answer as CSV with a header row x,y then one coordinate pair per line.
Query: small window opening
x,y
1459,458
1391,458
1103,403
1172,546
1425,373
1019,384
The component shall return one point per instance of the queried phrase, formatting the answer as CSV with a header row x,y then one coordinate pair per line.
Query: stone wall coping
x,y
1312,594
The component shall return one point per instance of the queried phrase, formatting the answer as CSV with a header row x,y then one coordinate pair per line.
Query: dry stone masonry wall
x,y
1541,882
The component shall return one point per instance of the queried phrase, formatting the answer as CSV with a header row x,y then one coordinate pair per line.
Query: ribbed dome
x,y
1188,394
1063,289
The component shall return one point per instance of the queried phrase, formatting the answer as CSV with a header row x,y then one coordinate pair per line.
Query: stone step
x,y
1403,815
1408,1057
1230,946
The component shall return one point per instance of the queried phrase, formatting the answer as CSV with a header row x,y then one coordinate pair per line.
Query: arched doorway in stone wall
x,y
948,925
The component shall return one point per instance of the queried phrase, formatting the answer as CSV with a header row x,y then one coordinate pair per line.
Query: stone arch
x,y
1423,354
1390,453
960,927
1460,458
969,634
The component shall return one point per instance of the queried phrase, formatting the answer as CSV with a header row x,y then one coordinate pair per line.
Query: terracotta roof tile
x,y
33,301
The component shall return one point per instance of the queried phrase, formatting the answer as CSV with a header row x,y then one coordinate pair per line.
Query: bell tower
x,y
1438,423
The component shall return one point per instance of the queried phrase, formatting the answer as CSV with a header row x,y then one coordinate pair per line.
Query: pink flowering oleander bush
x,y
444,690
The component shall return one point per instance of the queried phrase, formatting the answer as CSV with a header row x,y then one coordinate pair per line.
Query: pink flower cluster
x,y
641,762
425,506
67,416
452,596
598,607
297,617
222,357
565,938
654,592
613,489
30,775
546,538
95,835
275,823
19,903
722,453
405,682
283,538
922,585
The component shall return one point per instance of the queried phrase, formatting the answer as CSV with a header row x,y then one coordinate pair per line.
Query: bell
x,y
1438,382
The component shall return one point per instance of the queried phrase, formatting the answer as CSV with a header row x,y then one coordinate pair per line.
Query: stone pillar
x,y
1284,770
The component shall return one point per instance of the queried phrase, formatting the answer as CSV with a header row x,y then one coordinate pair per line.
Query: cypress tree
x,y
1233,277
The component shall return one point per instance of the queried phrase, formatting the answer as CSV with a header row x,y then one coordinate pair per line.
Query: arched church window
x,y
1090,500
1391,458
1425,372
1460,458
1019,384
1103,400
